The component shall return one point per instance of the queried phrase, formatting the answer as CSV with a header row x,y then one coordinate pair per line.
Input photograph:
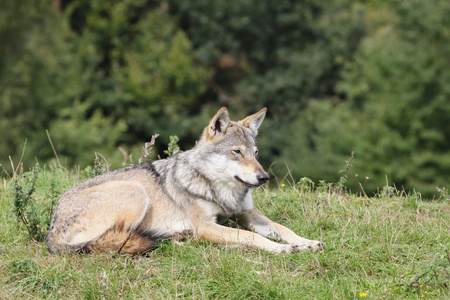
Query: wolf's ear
x,y
219,123
254,121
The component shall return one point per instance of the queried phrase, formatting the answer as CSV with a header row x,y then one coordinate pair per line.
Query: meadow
x,y
392,245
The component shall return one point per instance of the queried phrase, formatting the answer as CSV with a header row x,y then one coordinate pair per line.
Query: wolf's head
x,y
230,150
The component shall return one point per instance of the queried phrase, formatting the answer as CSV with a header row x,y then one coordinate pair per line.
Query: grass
x,y
393,245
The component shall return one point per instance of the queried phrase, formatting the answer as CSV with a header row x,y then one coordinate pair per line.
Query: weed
x,y
100,165
34,198
147,148
388,190
340,185
173,147
306,185
324,186
443,194
24,204
361,185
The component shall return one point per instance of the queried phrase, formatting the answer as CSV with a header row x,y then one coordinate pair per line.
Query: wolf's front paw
x,y
285,248
318,245
314,245
292,248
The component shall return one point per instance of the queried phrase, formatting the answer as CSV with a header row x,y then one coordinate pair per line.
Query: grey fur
x,y
127,210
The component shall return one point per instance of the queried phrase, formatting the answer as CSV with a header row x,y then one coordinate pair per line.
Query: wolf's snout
x,y
262,177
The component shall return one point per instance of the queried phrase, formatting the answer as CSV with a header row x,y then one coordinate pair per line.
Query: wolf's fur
x,y
127,210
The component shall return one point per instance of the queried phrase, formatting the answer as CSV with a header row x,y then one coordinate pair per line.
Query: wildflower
x,y
421,296
426,292
421,286
362,295
283,185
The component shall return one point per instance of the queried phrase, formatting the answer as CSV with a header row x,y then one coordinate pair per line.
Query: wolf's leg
x,y
292,238
213,232
179,237
109,217
257,222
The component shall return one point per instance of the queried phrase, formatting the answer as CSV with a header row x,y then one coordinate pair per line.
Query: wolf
x,y
188,195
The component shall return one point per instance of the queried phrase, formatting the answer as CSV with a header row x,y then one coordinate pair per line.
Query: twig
x,y
53,147
125,156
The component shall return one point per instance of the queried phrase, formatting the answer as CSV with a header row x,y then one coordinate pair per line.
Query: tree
x,y
397,103
97,76
281,55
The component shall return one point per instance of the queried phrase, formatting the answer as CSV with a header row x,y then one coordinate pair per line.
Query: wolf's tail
x,y
115,239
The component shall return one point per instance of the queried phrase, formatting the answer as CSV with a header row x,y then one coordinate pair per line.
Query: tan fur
x,y
127,210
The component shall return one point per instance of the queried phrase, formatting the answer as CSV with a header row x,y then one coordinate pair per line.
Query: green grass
x,y
394,246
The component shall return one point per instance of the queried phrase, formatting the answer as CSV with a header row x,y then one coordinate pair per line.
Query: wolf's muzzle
x,y
262,177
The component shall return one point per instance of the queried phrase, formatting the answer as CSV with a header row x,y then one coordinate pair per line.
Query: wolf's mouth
x,y
246,183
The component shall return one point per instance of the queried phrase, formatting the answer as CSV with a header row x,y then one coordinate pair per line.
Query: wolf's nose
x,y
262,177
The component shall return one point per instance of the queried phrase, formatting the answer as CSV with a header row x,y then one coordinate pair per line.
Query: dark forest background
x,y
371,77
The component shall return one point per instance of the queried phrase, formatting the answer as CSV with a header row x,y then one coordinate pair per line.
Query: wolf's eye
x,y
237,151
256,152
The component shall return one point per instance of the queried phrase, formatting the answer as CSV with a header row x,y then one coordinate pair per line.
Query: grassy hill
x,y
393,245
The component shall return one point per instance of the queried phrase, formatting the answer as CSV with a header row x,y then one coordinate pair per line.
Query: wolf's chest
x,y
213,210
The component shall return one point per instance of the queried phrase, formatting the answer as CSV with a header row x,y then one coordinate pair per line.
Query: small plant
x,y
24,205
173,147
340,185
324,186
389,191
147,148
306,185
443,194
34,197
100,165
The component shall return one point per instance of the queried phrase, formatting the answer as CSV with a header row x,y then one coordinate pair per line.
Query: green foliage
x,y
389,246
29,277
34,199
396,103
319,142
306,184
399,101
173,147
100,165
280,55
97,81
24,207
47,88
350,75
340,185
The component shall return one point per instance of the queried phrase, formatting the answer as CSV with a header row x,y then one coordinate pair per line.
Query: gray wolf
x,y
189,194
